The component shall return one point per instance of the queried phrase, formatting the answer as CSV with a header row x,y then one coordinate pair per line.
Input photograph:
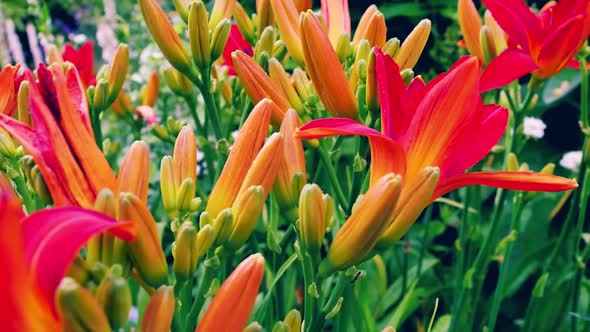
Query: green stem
x,y
208,276
499,293
334,178
310,300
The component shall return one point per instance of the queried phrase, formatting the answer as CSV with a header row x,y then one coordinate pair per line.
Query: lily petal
x,y
21,309
561,46
528,181
54,236
496,74
516,18
386,154
391,89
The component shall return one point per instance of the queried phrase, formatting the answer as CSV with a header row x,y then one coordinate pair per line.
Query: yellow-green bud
x,y
114,296
186,252
245,211
22,111
344,47
168,186
293,321
265,43
78,309
185,195
7,148
101,94
219,38
391,47
198,28
38,184
244,23
312,218
117,73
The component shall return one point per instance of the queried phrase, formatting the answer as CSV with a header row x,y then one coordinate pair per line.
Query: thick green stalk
x,y
334,178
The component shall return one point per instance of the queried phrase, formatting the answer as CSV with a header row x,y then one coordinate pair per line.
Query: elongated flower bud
x,y
134,175
293,321
376,32
244,22
312,221
265,43
219,38
361,29
413,45
264,15
259,85
470,24
337,17
185,155
233,303
325,69
168,186
101,94
114,296
23,113
78,309
159,312
372,89
150,92
245,211
146,252
178,83
391,47
287,18
167,39
282,80
414,198
198,32
302,84
118,71
265,167
359,234
487,45
222,9
291,164
250,139
186,252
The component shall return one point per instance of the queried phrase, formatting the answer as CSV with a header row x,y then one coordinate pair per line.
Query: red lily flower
x,y
442,124
37,251
236,41
542,43
61,140
10,83
83,59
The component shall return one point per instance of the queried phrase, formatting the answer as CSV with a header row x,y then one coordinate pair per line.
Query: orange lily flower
x,y
38,257
61,140
542,43
442,124
232,305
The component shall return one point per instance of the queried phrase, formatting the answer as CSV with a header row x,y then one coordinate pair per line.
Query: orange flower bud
x,y
233,303
281,79
78,309
325,70
146,252
244,22
413,45
118,72
168,186
259,86
376,32
470,24
185,155
245,212
415,196
291,167
222,9
369,218
134,174
159,312
150,92
250,139
337,17
361,29
186,252
287,18
263,170
163,32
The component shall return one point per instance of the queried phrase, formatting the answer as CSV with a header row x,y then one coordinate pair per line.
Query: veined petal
x,y
21,309
561,46
25,135
54,236
526,181
497,74
9,93
74,121
387,156
287,17
391,89
519,22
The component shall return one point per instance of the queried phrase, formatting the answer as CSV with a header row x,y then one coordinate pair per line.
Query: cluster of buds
x,y
110,81
484,40
178,177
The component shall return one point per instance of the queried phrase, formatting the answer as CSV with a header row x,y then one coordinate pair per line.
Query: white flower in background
x,y
105,36
534,127
571,160
78,38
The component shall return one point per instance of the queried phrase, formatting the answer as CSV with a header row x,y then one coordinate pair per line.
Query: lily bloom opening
x,y
543,43
442,125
